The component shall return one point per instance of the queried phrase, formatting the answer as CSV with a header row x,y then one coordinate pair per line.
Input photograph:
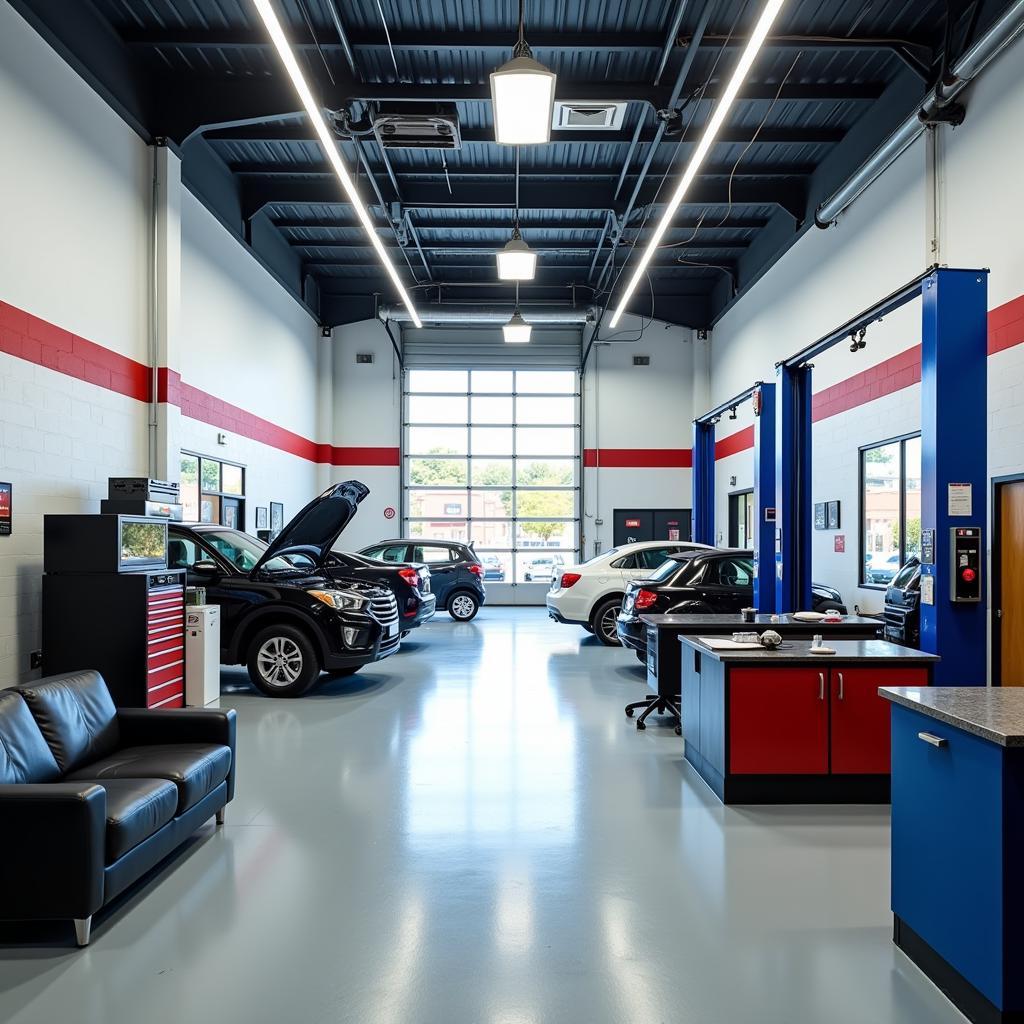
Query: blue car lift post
x,y
954,450
763,397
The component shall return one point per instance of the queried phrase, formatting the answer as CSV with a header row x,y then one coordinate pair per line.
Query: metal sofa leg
x,y
83,926
220,816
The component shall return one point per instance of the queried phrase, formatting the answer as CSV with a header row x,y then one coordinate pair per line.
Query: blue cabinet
x,y
955,856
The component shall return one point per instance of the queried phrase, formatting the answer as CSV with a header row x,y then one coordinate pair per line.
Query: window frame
x,y
901,440
219,494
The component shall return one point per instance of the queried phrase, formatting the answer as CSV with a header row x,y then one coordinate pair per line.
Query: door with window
x,y
492,459
212,491
741,519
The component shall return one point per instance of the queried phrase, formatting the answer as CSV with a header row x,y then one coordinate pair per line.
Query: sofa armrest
x,y
140,727
54,843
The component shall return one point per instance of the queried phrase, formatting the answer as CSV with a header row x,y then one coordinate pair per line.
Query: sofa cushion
x,y
195,768
75,714
136,808
24,755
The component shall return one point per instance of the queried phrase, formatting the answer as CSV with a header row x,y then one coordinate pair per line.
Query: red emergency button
x,y
969,575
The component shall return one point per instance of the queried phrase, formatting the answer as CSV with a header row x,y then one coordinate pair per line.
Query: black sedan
x,y
708,582
410,583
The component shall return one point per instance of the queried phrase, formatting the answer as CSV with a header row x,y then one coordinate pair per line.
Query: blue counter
x,y
958,843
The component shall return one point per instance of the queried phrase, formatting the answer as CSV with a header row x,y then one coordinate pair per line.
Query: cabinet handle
x,y
935,741
821,686
840,685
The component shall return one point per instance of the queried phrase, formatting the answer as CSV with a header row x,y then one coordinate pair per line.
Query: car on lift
x,y
590,594
456,573
409,582
713,582
281,615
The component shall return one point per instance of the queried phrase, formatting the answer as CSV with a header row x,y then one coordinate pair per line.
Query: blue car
x,y
456,574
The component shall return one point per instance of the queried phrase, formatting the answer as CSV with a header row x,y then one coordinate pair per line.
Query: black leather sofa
x,y
93,796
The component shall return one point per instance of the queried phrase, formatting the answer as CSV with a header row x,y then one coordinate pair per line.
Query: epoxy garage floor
x,y
473,833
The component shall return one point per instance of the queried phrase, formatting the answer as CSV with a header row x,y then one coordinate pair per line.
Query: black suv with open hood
x,y
282,616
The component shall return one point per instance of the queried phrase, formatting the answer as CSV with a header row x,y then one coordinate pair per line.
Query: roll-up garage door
x,y
552,348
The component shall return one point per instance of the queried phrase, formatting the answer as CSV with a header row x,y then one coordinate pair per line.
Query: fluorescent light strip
x,y
329,144
756,41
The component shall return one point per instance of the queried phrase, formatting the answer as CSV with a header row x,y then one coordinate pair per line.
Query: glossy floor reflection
x,y
472,833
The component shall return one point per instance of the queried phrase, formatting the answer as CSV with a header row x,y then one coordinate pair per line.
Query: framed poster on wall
x,y
6,509
261,517
819,515
833,515
276,516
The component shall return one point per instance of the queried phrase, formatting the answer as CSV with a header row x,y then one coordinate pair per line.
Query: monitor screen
x,y
143,544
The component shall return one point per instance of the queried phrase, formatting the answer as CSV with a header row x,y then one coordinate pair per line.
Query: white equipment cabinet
x,y
202,654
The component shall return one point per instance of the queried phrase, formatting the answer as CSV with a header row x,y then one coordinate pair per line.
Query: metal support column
x,y
703,476
954,439
793,508
764,498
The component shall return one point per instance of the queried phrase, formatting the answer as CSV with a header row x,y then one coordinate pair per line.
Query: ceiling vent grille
x,y
434,129
641,360
604,115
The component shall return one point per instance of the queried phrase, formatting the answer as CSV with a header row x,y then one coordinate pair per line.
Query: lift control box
x,y
965,563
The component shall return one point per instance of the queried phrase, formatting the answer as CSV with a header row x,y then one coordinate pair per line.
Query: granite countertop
x,y
863,652
734,622
992,712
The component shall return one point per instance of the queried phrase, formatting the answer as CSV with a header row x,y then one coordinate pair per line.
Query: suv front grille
x,y
384,609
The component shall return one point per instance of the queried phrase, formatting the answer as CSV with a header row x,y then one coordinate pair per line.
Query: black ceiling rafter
x,y
776,135
500,224
788,194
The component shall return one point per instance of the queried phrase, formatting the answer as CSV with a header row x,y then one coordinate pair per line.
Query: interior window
x,y
433,555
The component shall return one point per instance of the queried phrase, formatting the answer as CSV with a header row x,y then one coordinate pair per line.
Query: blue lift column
x,y
764,498
954,472
703,475
793,510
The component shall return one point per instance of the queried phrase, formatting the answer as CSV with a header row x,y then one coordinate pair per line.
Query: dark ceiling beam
x,y
363,253
273,169
790,194
485,136
503,223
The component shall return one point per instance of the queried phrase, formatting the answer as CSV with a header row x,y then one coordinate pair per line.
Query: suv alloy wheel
x,y
282,662
463,606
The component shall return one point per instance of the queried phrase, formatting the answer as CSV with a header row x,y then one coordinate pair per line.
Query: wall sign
x,y
632,524
276,517
6,509
820,515
389,513
961,500
769,515
839,543
927,547
927,589
261,517
833,515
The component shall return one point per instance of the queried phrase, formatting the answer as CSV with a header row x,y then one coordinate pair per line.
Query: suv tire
x,y
282,662
463,605
603,621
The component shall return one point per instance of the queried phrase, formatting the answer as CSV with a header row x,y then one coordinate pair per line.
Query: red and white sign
x,y
632,524
389,513
840,542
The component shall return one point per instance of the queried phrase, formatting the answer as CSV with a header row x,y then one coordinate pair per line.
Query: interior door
x,y
632,526
1010,599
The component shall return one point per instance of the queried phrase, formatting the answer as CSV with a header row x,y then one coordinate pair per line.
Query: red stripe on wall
x,y
735,443
637,458
885,378
1006,325
360,456
36,341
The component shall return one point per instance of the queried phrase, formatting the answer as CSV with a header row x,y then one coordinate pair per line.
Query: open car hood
x,y
314,530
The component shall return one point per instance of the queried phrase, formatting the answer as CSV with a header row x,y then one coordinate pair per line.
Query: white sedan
x,y
590,594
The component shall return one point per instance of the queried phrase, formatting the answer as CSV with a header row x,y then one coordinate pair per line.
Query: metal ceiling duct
x,y
970,65
497,315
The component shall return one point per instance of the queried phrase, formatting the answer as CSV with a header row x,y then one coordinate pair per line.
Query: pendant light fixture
x,y
522,96
762,27
517,261
517,331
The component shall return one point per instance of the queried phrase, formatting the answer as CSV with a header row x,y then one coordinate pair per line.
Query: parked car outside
x,y
709,582
494,568
281,615
456,574
409,582
543,569
590,594
881,568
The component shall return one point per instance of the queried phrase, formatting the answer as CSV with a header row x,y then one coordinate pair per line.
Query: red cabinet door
x,y
778,721
860,718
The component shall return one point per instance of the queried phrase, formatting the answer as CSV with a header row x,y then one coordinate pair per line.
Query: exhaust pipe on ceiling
x,y
490,315
970,65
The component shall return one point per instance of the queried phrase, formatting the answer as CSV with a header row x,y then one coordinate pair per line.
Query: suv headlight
x,y
338,599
